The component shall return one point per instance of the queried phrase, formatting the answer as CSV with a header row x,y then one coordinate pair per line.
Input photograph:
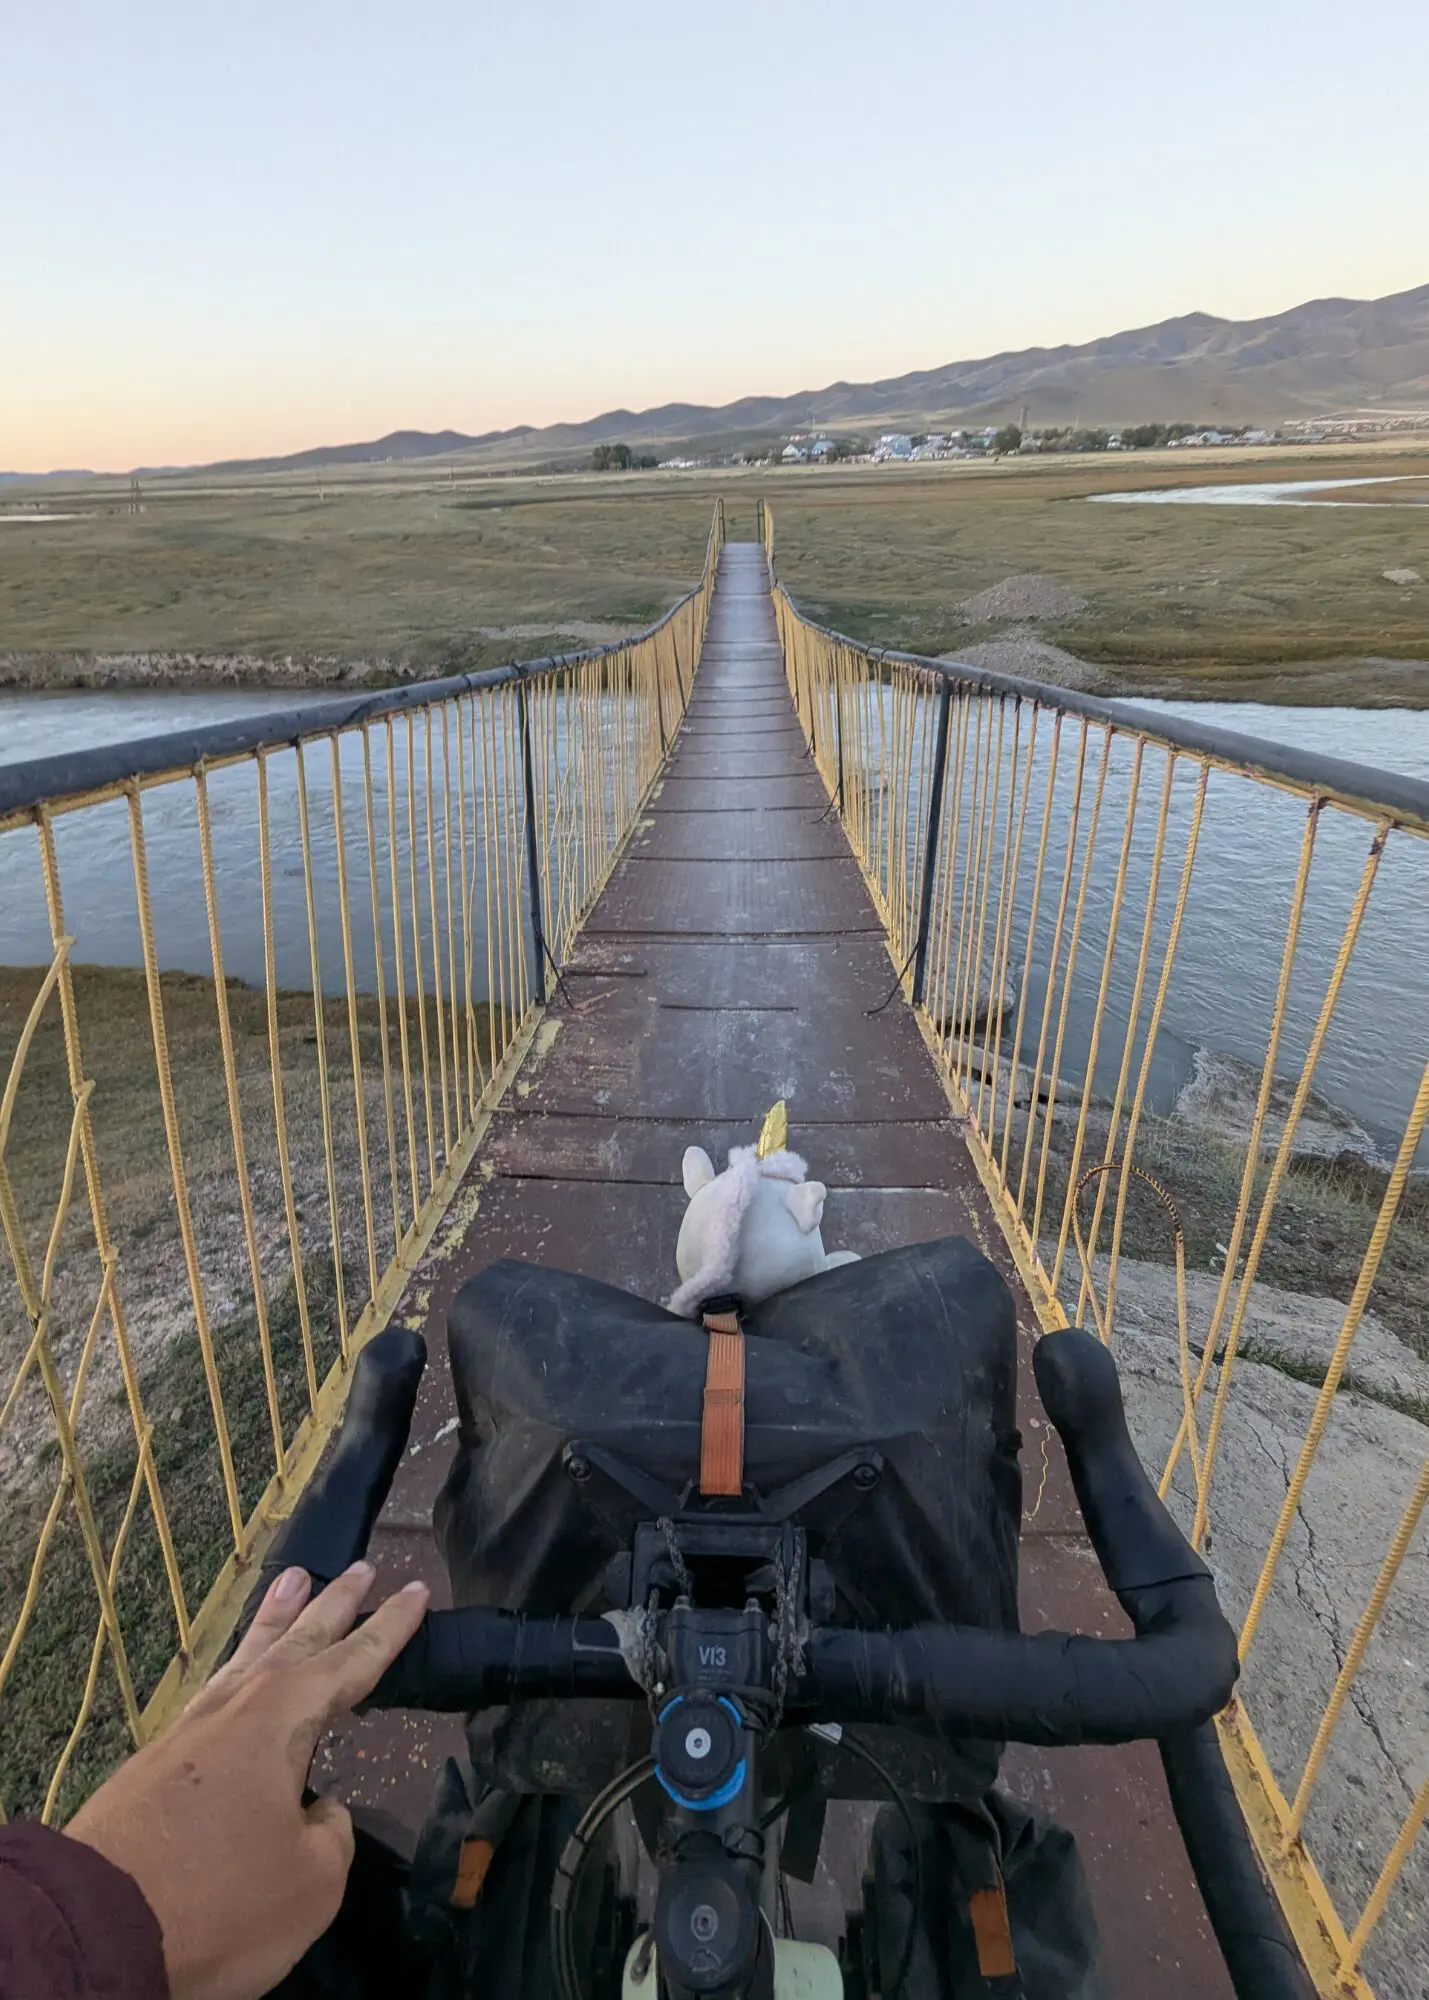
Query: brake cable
x,y
571,1867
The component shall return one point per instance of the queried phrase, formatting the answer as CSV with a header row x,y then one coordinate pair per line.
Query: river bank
x,y
1371,1450
1019,647
1320,1225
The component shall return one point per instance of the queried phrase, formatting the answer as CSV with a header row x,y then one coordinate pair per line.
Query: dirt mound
x,y
1022,653
1022,597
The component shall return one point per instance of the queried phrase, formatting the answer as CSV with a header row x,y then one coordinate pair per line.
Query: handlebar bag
x,y
912,1352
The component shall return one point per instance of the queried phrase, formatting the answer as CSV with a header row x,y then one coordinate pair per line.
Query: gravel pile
x,y
1022,597
1022,653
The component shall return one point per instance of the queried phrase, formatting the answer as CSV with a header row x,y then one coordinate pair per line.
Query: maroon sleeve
x,y
72,1925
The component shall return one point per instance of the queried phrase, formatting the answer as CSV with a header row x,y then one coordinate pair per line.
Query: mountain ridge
x,y
1315,358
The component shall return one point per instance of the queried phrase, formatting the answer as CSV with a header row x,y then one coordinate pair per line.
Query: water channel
x,y
1226,969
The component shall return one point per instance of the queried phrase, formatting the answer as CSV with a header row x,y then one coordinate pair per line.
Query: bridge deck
x,y
732,960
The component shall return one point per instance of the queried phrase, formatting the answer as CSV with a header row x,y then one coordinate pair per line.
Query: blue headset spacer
x,y
727,1791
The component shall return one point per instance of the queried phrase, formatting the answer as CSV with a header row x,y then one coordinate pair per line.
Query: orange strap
x,y
992,1933
472,1864
722,1424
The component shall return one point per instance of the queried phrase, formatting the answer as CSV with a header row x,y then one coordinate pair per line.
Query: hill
x,y
396,445
1326,357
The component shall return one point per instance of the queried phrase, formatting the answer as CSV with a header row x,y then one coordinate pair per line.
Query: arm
x,y
208,1820
72,1925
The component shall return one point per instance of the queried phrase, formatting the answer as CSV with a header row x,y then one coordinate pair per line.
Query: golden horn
x,y
775,1135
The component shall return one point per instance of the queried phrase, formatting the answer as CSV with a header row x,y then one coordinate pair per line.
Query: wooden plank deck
x,y
732,960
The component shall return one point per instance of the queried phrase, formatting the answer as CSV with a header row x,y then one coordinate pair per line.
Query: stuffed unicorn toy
x,y
754,1229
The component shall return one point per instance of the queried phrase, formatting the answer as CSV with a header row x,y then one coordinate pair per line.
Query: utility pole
x,y
136,498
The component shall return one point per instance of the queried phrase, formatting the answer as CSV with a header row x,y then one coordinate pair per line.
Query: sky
x,y
231,230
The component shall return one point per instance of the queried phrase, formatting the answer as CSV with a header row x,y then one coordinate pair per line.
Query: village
x,y
994,441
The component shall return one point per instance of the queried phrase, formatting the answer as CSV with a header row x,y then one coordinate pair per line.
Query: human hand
x,y
208,1819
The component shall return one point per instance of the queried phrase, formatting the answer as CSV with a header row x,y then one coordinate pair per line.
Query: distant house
x,y
895,444
793,454
821,448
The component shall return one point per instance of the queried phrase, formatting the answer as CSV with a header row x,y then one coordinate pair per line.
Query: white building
x,y
895,444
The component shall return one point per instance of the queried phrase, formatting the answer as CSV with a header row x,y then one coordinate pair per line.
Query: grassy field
x,y
46,1684
411,569
1267,603
407,577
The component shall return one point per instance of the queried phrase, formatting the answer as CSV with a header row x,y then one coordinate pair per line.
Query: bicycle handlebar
x,y
1047,1687
1043,1688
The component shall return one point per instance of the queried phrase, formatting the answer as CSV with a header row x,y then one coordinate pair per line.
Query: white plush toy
x,y
754,1229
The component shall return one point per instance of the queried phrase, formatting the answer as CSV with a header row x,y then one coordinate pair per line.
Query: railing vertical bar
x,y
275,1057
533,868
235,1124
418,970
400,973
178,1173
930,844
1252,1166
987,838
940,923
99,1217
1054,1075
1054,960
379,954
429,818
1113,931
972,870
1017,798
1038,871
354,1029
320,1039
459,1080
1138,987
1153,1030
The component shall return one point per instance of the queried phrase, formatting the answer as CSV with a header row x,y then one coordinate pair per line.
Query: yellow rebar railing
x,y
1143,950
263,989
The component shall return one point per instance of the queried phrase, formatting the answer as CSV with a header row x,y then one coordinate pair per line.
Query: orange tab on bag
x,y
472,1864
992,1932
722,1420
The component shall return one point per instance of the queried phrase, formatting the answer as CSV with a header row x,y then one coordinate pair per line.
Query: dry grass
x,y
44,1692
404,577
1263,603
1319,1230
403,567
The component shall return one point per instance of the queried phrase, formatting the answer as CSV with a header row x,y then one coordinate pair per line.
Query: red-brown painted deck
x,y
732,960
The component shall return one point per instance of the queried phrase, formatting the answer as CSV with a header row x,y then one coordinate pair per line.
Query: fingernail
x,y
292,1583
415,1589
360,1569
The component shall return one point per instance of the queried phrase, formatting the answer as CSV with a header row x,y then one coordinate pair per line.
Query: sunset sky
x,y
239,230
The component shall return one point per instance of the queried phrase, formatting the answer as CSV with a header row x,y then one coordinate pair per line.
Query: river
x,y
95,852
1265,493
1226,969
